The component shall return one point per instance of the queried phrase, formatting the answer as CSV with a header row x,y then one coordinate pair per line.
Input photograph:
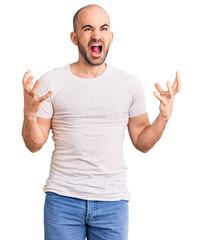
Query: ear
x,y
112,36
73,37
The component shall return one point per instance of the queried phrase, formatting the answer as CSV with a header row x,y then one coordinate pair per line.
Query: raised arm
x,y
35,130
143,134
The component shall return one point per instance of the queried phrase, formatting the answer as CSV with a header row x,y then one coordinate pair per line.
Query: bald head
x,y
89,9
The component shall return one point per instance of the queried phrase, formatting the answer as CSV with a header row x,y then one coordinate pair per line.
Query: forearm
x,y
151,134
32,134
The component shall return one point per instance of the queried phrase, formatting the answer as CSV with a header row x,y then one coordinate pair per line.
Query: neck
x,y
85,70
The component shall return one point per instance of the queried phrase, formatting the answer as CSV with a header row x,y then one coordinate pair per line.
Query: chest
x,y
97,100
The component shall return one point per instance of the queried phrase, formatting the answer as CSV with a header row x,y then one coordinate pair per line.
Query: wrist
x,y
163,117
30,117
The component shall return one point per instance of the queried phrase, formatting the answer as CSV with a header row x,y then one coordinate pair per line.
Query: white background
x,y
153,39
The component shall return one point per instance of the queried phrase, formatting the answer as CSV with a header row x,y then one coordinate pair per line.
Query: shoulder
x,y
116,71
53,80
55,73
122,74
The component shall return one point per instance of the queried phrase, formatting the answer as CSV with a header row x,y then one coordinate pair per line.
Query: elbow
x,y
31,147
143,149
34,150
35,147
31,144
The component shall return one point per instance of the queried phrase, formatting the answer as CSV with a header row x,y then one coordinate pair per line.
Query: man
x,y
88,105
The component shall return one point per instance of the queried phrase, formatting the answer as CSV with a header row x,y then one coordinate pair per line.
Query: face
x,y
93,35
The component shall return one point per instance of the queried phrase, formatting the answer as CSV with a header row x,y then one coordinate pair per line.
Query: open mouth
x,y
96,48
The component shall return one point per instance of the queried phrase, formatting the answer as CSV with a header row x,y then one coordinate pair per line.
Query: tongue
x,y
95,49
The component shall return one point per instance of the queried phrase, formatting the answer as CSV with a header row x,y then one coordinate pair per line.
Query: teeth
x,y
96,45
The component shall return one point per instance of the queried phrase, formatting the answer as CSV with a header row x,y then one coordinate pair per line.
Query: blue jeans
x,y
67,218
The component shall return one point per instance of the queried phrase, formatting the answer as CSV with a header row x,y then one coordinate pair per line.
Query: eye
x,y
87,29
104,29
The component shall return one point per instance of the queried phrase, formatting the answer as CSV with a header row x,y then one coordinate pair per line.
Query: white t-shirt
x,y
89,118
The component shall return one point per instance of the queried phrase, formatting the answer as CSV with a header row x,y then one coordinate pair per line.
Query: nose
x,y
96,35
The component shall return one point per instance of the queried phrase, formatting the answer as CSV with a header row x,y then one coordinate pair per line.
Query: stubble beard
x,y
83,52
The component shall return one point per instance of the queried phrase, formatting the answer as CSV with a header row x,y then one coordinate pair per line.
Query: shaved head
x,y
92,34
92,7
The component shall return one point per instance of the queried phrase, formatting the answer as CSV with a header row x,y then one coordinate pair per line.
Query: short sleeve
x,y
46,108
138,105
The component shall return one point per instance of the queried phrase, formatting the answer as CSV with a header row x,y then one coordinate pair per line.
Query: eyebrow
x,y
104,25
87,26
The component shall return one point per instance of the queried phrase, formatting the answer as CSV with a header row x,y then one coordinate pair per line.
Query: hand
x,y
166,98
31,100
